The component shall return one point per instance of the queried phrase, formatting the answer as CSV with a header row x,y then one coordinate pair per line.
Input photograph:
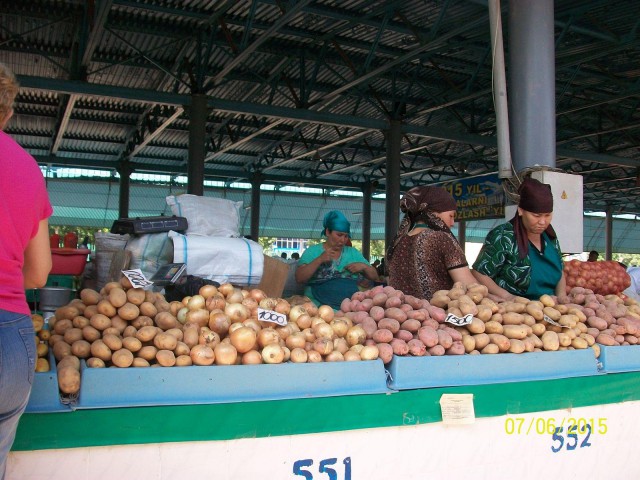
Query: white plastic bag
x,y
208,216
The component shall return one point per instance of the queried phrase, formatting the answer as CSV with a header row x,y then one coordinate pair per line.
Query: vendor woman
x,y
331,269
425,256
522,257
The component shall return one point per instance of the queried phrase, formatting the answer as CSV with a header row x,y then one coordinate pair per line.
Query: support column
x,y
608,234
256,182
392,205
532,115
125,170
197,131
367,189
462,233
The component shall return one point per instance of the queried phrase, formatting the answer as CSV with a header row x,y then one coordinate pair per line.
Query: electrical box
x,y
568,210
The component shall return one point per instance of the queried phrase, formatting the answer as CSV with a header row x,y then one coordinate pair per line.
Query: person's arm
x,y
561,288
462,275
368,271
494,288
306,271
37,258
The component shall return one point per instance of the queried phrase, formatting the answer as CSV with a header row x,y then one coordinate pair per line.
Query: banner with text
x,y
478,198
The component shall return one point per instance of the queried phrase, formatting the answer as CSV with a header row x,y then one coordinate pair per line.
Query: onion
x,y
268,303
351,356
334,356
201,317
225,353
251,305
357,348
369,352
208,337
313,357
202,355
355,335
267,336
284,331
252,357
304,321
295,313
185,301
323,330
235,296
226,289
282,306
257,294
323,345
311,308
326,313
252,323
196,302
235,326
299,355
181,315
174,307
236,312
219,322
339,326
296,340
287,353
340,344
309,336
208,291
216,302
273,353
243,338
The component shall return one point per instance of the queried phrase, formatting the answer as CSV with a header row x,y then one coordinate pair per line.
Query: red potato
x,y
416,348
359,296
437,313
359,317
380,299
389,324
619,339
406,308
420,314
436,350
430,322
411,325
366,305
606,340
428,336
456,336
400,347
403,335
385,352
370,326
345,305
444,338
395,313
415,302
594,332
631,339
393,302
597,322
382,336
457,348
377,312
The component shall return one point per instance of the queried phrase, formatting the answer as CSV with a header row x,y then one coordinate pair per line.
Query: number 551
x,y
300,468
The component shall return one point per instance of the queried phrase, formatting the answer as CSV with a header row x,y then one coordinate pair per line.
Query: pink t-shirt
x,y
23,203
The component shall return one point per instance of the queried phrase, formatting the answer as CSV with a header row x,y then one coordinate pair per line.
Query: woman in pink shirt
x,y
25,262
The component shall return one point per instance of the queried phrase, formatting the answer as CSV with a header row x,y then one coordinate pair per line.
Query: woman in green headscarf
x,y
332,269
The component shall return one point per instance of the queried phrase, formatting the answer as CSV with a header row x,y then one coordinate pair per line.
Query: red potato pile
x,y
121,326
604,278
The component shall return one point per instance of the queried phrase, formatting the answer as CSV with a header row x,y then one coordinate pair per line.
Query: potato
x,y
166,358
62,325
165,341
94,362
550,341
456,348
105,308
148,309
476,326
436,351
515,307
512,318
114,342
129,311
493,327
42,349
564,339
484,313
469,343
411,325
444,338
122,358
579,343
132,344
539,328
142,321
81,349
61,349
516,331
69,361
166,321
146,334
69,380
183,361
552,313
382,336
100,350
603,339
501,341
130,331
140,362
390,324
491,348
597,322
428,336
80,321
118,323
90,296
66,312
516,346
72,334
148,353
385,352
136,296
482,340
547,301
99,321
117,297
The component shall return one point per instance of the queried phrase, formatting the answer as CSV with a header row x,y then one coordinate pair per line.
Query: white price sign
x,y
459,321
271,316
137,278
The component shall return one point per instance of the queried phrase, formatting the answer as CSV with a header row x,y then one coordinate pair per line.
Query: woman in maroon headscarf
x,y
425,256
522,257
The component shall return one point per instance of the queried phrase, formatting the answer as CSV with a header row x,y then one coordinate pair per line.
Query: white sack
x,y
224,260
150,251
208,216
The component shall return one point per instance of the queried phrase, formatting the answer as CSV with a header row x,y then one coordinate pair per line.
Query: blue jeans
x,y
17,369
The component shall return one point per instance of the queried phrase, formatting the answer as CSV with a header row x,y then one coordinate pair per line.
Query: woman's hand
x,y
365,269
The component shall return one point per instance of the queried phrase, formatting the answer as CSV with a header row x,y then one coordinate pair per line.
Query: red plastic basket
x,y
68,261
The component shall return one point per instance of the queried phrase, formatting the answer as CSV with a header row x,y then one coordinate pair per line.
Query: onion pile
x,y
604,278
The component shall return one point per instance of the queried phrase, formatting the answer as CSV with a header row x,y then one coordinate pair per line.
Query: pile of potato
x,y
404,325
121,326
42,345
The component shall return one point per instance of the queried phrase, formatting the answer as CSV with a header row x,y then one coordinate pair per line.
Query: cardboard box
x,y
274,276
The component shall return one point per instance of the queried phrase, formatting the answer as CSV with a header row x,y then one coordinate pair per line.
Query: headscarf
x,y
335,220
420,204
535,197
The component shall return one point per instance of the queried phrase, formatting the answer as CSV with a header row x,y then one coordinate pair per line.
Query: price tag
x,y
271,316
553,322
459,321
137,278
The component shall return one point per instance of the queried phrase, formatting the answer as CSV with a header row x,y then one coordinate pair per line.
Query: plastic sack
x,y
208,216
224,260
149,252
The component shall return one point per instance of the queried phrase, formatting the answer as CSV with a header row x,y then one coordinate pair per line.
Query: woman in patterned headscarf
x,y
522,257
425,256
332,269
